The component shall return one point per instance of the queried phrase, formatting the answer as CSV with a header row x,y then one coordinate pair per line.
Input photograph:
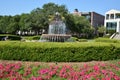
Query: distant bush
x,y
36,37
82,40
58,52
72,39
106,36
14,37
2,37
107,40
31,37
10,37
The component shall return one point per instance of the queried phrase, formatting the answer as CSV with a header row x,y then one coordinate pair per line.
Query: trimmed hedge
x,y
32,37
59,52
82,40
10,37
107,40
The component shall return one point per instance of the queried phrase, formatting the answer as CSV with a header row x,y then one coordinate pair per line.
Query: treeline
x,y
37,22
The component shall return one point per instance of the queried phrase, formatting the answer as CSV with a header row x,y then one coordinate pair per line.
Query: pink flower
x,y
1,66
104,72
43,71
14,78
96,67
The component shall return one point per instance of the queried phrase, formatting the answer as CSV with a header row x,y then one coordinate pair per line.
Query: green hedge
x,y
31,37
59,52
107,40
82,40
10,37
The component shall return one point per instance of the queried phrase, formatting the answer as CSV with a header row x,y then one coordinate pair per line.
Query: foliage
x,y
107,40
107,36
10,37
111,31
74,38
79,25
82,40
42,16
25,22
31,37
35,21
59,52
4,23
98,71
36,37
101,29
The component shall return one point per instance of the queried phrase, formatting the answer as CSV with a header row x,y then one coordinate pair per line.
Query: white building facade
x,y
112,20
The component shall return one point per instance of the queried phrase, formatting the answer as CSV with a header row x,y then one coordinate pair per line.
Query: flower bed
x,y
97,71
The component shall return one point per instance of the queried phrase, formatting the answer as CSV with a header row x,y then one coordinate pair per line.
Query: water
x,y
57,31
57,27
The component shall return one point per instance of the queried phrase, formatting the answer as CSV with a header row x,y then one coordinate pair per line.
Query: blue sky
x,y
14,7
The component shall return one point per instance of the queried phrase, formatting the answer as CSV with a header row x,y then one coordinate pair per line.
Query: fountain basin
x,y
54,37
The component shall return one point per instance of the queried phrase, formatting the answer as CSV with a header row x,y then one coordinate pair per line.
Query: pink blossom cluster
x,y
99,71
10,71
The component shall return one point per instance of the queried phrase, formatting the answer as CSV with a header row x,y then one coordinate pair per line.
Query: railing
x,y
113,36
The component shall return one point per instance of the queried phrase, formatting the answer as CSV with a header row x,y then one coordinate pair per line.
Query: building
x,y
112,20
94,18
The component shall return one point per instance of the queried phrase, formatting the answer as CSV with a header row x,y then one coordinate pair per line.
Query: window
x,y
117,16
107,16
112,16
88,17
111,25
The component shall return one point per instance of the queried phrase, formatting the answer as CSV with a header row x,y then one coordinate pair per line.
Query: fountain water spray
x,y
57,31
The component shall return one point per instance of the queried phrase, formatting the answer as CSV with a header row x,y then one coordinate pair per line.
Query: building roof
x,y
112,11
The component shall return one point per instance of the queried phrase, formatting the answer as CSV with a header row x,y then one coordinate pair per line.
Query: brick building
x,y
95,19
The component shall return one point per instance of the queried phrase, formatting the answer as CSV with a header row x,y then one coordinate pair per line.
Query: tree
x,y
4,23
79,25
24,22
101,30
40,17
14,24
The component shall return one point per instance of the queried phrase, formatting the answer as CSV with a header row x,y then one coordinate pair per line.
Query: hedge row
x,y
107,40
58,52
31,37
10,37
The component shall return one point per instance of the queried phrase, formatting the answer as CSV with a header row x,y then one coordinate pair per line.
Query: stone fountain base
x,y
54,37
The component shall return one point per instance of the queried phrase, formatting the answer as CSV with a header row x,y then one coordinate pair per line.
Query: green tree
x,y
24,22
14,24
79,25
101,30
40,17
4,23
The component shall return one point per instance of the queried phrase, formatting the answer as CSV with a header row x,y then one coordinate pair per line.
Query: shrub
x,y
106,40
58,52
82,40
36,37
31,37
10,37
2,37
13,37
